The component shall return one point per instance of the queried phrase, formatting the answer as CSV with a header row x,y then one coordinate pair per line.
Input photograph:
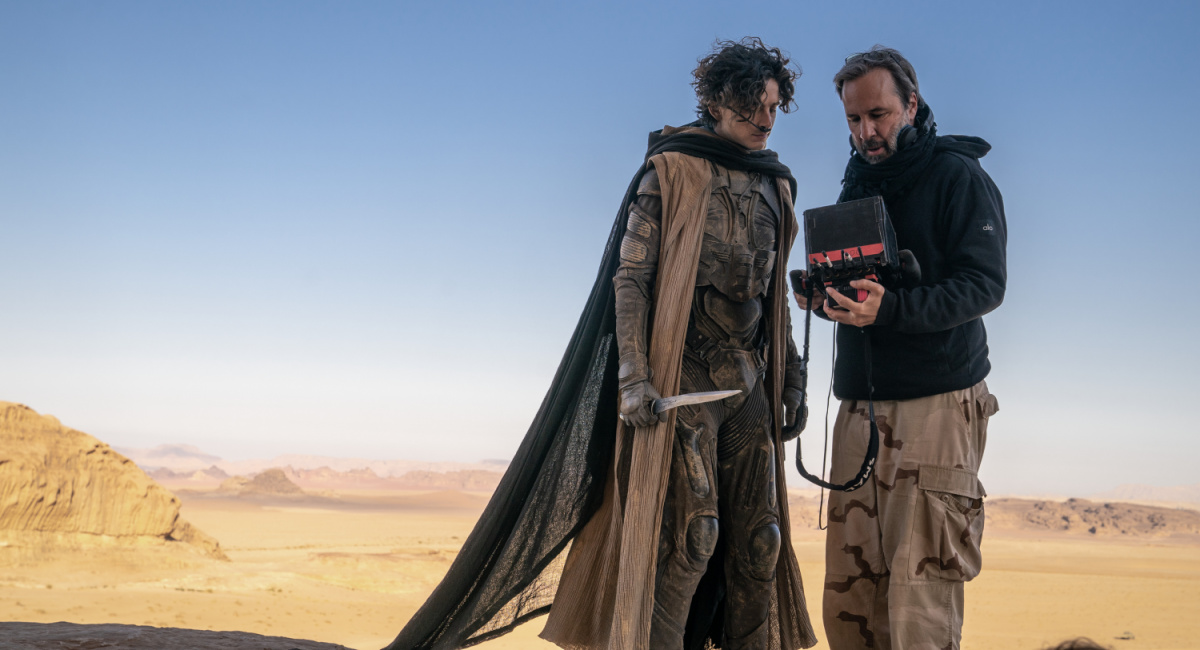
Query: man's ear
x,y
714,111
912,107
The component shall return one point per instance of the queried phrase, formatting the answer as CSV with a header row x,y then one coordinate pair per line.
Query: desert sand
x,y
86,537
350,568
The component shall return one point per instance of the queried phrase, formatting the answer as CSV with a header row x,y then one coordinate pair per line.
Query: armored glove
x,y
795,410
636,401
793,403
638,395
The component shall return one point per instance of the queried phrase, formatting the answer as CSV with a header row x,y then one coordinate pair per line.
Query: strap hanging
x,y
868,464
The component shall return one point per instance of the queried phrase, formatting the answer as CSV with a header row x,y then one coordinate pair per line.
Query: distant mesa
x,y
59,485
317,473
1079,518
271,482
186,466
1092,518
289,481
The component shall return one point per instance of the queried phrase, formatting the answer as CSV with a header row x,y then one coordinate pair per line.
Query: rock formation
x,y
1092,518
272,482
56,481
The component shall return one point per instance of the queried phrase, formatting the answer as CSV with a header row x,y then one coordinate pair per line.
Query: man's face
x,y
875,114
744,129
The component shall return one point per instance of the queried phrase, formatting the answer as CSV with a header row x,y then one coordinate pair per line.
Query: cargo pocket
x,y
947,525
986,406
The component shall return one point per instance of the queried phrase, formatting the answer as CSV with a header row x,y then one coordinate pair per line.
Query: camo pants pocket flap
x,y
954,480
987,405
947,525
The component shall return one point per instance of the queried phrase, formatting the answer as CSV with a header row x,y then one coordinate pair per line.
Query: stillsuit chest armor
x,y
737,255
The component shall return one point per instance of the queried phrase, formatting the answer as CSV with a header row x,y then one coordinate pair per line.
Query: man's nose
x,y
866,130
762,119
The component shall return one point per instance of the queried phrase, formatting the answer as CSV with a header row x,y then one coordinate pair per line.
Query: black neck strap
x,y
868,464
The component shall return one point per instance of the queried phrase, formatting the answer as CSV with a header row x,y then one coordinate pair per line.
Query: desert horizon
x,y
345,557
287,285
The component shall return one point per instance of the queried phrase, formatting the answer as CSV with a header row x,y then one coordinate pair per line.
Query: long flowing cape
x,y
507,570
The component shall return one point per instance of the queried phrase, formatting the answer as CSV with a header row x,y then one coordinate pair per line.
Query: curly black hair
x,y
735,75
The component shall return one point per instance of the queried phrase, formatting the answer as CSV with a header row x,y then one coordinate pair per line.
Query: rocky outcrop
x,y
1080,516
271,482
70,636
58,481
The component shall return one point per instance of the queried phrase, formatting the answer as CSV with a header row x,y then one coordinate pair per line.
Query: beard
x,y
888,144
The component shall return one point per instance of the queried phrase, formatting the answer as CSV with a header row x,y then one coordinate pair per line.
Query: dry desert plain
x,y
350,566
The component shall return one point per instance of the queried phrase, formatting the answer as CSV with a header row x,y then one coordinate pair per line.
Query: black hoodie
x,y
929,338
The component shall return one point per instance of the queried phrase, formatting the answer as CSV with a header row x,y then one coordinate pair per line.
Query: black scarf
x,y
696,140
892,177
556,479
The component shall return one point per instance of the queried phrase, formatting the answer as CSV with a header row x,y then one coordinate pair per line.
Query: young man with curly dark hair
x,y
701,305
739,87
676,518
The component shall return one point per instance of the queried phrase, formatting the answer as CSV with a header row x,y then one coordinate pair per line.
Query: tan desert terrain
x,y
350,566
352,570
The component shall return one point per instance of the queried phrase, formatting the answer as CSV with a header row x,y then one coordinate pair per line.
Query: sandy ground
x,y
353,571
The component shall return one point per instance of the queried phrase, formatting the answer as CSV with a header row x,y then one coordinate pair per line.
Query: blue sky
x,y
367,229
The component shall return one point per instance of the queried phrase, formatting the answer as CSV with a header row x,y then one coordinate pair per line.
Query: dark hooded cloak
x,y
506,572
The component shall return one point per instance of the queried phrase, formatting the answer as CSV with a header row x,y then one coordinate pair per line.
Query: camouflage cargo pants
x,y
899,549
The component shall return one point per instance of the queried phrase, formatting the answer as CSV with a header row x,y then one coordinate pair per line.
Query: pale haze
x,y
368,229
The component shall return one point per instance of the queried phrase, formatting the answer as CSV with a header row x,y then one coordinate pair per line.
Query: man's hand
x,y
818,301
818,297
793,403
858,314
636,401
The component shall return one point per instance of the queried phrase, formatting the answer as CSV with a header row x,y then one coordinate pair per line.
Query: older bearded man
x,y
899,549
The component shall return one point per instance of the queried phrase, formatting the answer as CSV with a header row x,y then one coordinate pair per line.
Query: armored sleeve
x,y
634,280
794,372
794,375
